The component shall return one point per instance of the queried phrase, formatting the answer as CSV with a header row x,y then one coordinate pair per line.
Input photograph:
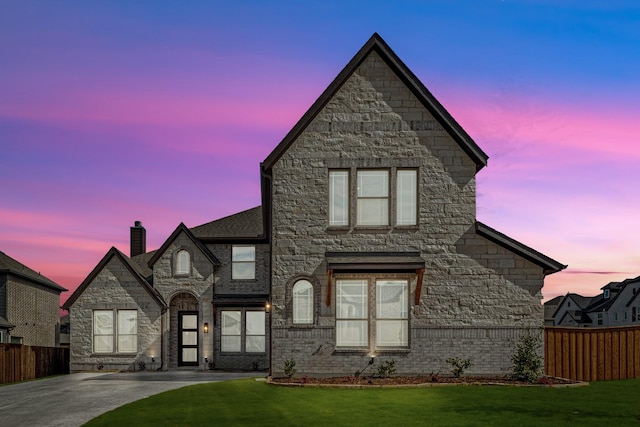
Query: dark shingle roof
x,y
183,229
10,265
5,324
243,225
142,261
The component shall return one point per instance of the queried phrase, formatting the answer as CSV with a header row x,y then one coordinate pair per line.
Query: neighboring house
x,y
29,305
617,305
366,244
550,308
64,331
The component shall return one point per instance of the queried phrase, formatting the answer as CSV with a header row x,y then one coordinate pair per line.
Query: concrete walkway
x,y
72,400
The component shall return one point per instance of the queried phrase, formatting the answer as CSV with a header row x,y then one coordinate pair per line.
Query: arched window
x,y
302,302
183,263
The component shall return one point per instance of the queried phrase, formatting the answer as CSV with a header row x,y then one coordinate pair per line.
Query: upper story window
x,y
243,262
183,263
407,197
373,197
382,197
302,302
338,198
606,293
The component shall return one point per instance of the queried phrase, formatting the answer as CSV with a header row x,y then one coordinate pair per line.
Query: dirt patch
x,y
427,380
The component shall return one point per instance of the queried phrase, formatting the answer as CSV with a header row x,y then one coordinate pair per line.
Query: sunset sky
x,y
158,111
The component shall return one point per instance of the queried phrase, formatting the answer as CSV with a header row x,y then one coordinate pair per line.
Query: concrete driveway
x,y
72,400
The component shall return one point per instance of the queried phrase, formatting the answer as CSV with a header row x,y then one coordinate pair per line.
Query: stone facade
x,y
476,297
115,288
470,291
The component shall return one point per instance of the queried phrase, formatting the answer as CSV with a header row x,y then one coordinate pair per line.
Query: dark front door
x,y
188,338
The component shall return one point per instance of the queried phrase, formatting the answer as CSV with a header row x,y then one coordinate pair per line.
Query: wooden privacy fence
x,y
592,354
22,362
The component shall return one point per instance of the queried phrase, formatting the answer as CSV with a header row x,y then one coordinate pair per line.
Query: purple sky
x,y
116,111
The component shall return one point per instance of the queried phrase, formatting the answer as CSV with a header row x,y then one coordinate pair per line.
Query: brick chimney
x,y
138,239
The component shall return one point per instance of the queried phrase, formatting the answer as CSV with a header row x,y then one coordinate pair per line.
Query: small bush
x,y
289,367
458,366
386,369
527,363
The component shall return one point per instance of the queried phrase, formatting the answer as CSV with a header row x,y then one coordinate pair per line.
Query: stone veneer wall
x,y
34,310
199,284
115,288
477,298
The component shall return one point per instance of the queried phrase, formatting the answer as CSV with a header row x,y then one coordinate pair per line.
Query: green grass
x,y
248,402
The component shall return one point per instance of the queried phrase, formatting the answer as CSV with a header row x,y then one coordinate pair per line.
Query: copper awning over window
x,y
374,261
361,262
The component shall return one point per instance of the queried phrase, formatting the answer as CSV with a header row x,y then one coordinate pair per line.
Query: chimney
x,y
138,239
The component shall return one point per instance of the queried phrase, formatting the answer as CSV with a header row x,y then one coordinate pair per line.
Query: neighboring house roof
x,y
243,225
4,324
377,44
183,229
549,265
133,268
9,265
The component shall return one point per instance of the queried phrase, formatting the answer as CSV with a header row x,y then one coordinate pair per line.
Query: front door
x,y
188,338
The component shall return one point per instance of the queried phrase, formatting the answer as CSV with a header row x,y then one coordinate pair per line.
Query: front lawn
x,y
248,402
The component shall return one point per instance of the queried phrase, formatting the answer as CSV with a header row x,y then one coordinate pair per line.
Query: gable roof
x,y
377,44
9,265
4,324
242,225
133,268
183,229
549,265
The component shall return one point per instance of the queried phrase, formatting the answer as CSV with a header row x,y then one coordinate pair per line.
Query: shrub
x,y
289,367
458,366
386,369
527,363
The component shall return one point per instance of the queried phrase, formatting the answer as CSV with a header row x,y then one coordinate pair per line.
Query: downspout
x,y
266,211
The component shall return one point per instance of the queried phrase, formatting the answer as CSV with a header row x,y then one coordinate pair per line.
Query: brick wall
x,y
34,310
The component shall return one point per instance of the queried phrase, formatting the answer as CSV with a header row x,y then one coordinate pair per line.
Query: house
x,y
617,305
29,305
366,244
550,308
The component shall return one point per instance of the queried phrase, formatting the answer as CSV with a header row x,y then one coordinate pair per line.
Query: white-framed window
x,y
3,336
302,302
373,197
406,197
338,198
243,331
231,331
183,263
127,331
118,337
387,326
352,318
103,331
255,332
243,262
392,313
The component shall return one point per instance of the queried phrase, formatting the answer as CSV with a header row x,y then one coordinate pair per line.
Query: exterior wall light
x,y
206,328
267,306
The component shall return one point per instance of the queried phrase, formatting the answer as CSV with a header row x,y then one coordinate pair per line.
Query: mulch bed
x,y
417,381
